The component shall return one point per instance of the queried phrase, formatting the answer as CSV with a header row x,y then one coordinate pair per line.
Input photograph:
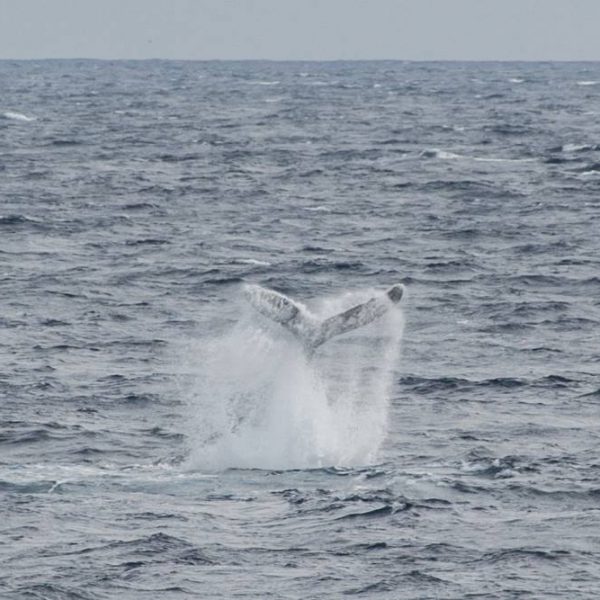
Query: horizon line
x,y
312,60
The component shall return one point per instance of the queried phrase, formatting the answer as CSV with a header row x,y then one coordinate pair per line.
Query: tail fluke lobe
x,y
311,332
272,304
282,310
360,315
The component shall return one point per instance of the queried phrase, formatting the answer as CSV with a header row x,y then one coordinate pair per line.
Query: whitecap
x,y
437,153
263,82
319,208
15,116
516,80
253,261
576,147
444,155
506,160
588,82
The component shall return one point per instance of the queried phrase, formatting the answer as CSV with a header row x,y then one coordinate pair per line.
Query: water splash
x,y
258,401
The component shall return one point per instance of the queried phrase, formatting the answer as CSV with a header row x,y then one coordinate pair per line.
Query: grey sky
x,y
302,29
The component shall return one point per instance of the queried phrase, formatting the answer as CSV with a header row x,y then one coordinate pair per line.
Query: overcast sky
x,y
302,29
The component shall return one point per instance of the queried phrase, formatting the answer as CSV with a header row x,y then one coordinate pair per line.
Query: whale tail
x,y
311,331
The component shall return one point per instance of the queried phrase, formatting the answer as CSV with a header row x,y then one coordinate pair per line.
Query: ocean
x,y
159,438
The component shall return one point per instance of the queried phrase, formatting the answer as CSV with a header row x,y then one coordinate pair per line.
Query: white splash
x,y
258,401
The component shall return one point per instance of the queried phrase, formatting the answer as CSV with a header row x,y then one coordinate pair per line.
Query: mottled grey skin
x,y
311,332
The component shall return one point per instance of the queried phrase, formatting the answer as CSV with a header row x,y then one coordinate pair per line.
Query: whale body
x,y
313,332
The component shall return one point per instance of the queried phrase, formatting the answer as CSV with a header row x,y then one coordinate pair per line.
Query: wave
x,y
483,465
64,142
445,385
147,242
18,220
529,555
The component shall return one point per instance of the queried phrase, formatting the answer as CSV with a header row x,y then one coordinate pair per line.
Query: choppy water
x,y
158,440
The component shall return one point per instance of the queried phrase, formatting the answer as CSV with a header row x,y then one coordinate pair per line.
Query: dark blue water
x,y
158,440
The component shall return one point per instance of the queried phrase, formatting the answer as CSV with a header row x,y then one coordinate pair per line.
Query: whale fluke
x,y
311,331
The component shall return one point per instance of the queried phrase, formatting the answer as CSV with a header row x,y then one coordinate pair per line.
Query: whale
x,y
308,329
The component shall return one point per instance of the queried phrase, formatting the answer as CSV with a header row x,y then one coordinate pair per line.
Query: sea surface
x,y
159,439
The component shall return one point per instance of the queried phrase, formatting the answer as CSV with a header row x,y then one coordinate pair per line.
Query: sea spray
x,y
257,400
